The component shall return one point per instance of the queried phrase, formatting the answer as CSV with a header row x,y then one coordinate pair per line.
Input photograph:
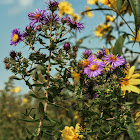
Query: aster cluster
x,y
40,20
104,72
102,61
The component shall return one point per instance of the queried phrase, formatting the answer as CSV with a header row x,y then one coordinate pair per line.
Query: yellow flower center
x,y
37,16
125,81
113,58
15,37
93,67
85,62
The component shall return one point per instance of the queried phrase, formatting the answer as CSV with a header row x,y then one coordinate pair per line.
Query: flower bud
x,y
6,60
87,53
66,46
19,54
28,28
121,23
75,48
38,27
7,66
53,5
64,20
73,55
13,54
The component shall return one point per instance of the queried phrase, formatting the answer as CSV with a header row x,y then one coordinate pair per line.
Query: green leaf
x,y
58,41
55,90
47,37
16,78
33,95
41,108
38,85
31,70
56,105
119,45
135,5
119,4
29,132
132,131
36,76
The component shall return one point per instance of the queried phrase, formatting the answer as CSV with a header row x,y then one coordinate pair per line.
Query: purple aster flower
x,y
101,53
17,36
87,52
91,58
88,61
114,60
53,5
49,16
75,25
95,68
37,16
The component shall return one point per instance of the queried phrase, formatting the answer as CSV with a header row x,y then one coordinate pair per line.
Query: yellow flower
x,y
88,13
137,115
102,29
137,119
128,83
106,2
85,62
76,76
138,36
91,2
75,16
65,8
25,100
109,18
15,90
9,115
69,133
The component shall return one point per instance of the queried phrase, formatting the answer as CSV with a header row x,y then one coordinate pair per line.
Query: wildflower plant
x,y
98,84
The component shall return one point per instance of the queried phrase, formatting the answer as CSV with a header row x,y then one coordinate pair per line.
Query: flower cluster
x,y
102,29
103,69
95,64
41,19
65,8
69,133
113,4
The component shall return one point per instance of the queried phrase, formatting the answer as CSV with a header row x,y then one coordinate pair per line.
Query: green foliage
x,y
61,93
119,45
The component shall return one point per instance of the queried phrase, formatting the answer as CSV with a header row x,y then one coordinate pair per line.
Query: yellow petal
x,y
131,71
134,81
133,88
91,2
89,13
137,115
77,128
135,76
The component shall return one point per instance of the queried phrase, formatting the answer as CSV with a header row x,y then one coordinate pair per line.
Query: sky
x,y
14,14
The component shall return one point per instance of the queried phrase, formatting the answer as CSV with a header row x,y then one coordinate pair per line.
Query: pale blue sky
x,y
13,15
